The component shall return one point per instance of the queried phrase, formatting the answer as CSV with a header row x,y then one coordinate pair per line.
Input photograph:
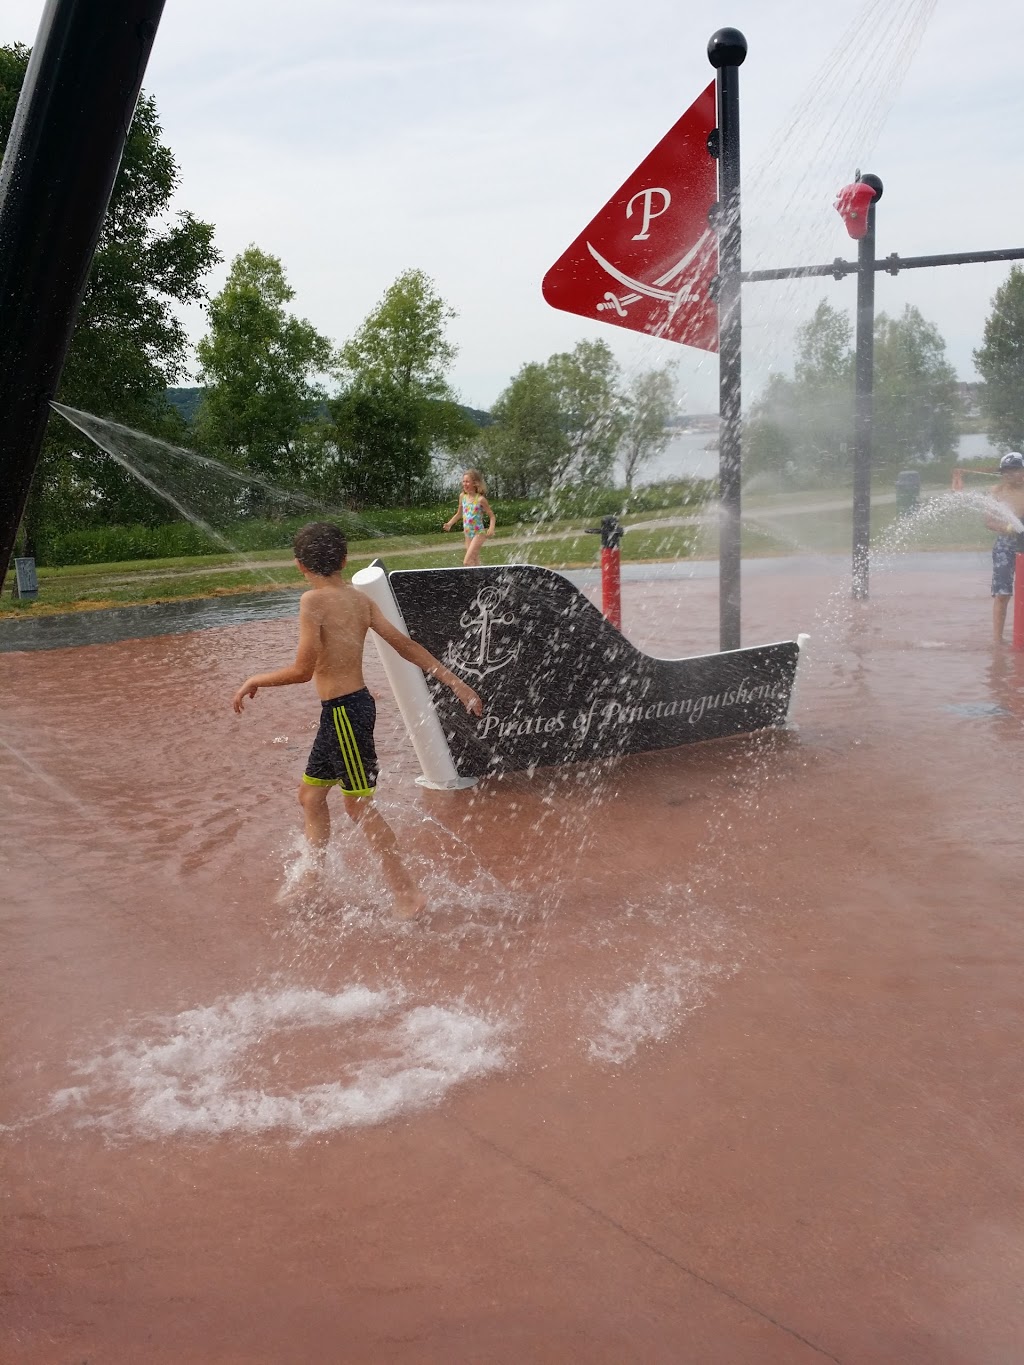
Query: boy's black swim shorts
x,y
343,754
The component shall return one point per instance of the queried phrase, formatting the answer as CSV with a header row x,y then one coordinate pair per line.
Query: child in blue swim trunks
x,y
473,507
333,620
1009,542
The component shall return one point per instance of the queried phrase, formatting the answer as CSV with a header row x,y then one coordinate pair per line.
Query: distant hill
x,y
187,401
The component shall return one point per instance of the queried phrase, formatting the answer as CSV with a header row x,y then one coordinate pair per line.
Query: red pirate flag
x,y
647,260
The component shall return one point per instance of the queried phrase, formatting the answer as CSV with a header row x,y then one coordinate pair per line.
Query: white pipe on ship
x,y
411,692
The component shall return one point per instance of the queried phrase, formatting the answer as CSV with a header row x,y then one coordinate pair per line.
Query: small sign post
x,y
26,584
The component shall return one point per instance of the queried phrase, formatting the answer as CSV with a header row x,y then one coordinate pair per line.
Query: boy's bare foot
x,y
409,903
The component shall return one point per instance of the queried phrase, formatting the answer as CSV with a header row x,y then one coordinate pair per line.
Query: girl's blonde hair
x,y
478,481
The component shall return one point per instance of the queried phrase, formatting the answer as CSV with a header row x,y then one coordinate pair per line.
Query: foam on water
x,y
203,1072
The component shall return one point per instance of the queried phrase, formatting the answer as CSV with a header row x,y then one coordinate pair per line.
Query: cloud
x,y
475,141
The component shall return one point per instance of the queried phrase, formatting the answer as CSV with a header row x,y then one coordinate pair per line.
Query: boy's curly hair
x,y
320,547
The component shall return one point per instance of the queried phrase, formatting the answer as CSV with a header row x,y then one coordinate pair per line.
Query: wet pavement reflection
x,y
704,1055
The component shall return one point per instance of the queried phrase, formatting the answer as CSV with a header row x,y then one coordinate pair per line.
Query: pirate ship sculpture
x,y
560,684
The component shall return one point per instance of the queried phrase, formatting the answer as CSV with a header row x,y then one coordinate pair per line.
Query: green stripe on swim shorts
x,y
353,781
362,781
358,785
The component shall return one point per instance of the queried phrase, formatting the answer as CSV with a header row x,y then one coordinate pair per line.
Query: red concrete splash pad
x,y
709,1056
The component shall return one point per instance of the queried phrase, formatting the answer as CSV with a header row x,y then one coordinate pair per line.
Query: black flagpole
x,y
726,51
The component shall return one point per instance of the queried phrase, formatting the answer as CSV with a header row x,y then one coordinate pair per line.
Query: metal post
x,y
66,143
726,52
611,570
865,365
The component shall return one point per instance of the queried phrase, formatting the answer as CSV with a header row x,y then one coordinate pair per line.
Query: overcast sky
x,y
474,139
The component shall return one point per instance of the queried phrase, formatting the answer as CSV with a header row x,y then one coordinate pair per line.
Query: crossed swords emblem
x,y
639,289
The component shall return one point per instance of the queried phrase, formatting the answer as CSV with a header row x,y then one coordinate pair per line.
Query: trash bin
x,y
908,491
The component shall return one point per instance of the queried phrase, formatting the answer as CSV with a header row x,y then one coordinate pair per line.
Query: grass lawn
x,y
772,525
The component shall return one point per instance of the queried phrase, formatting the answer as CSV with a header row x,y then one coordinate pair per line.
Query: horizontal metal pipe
x,y
892,264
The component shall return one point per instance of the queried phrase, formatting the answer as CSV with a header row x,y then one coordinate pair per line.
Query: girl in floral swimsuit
x,y
473,507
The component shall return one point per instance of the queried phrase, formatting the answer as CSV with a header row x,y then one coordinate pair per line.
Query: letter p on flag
x,y
646,261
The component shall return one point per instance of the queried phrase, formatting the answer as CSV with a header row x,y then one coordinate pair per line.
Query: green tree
x,y
824,391
403,341
526,446
1000,362
769,439
916,403
129,343
587,383
804,426
259,365
396,408
380,450
649,403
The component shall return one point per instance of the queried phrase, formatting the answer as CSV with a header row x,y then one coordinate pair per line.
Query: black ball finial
x,y
727,47
874,182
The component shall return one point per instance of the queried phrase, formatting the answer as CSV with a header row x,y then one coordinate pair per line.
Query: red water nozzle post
x,y
1018,604
853,203
611,532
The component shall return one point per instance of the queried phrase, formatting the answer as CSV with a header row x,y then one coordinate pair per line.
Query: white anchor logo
x,y
480,652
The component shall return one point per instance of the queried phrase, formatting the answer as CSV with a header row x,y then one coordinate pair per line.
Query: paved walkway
x,y
525,536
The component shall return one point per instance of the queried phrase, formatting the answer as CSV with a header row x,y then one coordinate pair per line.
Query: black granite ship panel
x,y
560,684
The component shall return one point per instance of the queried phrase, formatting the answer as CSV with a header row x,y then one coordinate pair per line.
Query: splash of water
x,y
948,507
209,1071
649,1009
988,504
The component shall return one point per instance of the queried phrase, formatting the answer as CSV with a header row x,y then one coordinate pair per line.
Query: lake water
x,y
686,456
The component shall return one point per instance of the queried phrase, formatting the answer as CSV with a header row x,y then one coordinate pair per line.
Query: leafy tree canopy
x,y
527,445
129,343
260,366
403,342
803,427
587,382
1000,362
916,398
563,423
649,403
396,409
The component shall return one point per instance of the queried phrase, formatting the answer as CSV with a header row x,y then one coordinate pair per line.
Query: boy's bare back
x,y
337,618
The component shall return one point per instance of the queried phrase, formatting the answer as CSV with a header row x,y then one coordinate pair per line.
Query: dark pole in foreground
x,y
69,131
726,51
863,410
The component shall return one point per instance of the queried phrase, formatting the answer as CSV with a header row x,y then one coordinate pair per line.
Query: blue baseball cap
x,y
1013,459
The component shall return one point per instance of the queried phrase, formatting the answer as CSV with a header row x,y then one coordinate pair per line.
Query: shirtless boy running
x,y
333,620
